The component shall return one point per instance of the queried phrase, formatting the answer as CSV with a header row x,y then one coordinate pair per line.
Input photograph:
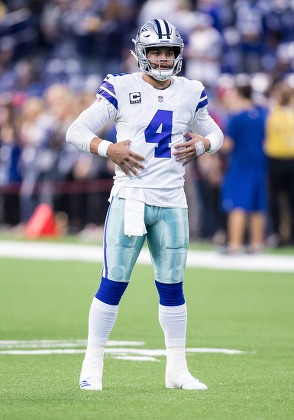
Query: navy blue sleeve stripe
x,y
202,101
203,94
108,86
109,97
202,104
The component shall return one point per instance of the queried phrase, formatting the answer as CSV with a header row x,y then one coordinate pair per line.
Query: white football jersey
x,y
154,120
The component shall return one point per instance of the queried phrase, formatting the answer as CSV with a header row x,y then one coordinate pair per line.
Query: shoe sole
x,y
86,386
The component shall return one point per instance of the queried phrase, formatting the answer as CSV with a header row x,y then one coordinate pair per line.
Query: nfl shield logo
x,y
160,98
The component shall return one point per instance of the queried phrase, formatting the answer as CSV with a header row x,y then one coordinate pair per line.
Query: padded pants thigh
x,y
120,251
168,240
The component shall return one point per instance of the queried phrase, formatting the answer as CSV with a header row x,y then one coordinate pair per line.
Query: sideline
x,y
94,254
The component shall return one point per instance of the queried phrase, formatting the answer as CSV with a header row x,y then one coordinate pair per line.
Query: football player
x,y
162,123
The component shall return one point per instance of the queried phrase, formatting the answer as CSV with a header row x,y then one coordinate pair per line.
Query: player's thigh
x,y
168,243
120,251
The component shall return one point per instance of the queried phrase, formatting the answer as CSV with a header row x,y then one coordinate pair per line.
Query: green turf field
x,y
251,312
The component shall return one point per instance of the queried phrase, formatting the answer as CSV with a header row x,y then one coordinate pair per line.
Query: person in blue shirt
x,y
244,197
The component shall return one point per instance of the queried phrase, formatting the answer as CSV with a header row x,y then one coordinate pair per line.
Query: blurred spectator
x,y
69,29
120,20
279,147
279,36
10,176
217,10
36,159
85,36
203,52
245,180
62,106
7,71
152,9
28,79
209,177
19,24
249,24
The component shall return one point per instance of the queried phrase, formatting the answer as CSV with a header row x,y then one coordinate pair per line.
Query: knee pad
x,y
110,292
170,294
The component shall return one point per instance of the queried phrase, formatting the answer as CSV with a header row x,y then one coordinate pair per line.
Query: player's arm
x,y
206,137
82,134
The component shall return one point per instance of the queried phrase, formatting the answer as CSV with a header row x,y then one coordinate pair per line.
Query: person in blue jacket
x,y
244,189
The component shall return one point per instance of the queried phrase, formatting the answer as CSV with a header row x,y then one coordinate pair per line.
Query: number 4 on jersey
x,y
159,131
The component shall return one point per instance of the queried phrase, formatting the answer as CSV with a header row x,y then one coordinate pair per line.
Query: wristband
x,y
103,147
200,149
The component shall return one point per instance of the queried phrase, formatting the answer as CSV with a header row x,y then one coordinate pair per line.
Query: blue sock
x,y
170,294
110,291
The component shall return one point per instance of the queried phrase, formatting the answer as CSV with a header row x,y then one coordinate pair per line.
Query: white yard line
x,y
88,253
48,344
46,347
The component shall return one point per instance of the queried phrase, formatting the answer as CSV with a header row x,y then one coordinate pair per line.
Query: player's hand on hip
x,y
121,154
186,151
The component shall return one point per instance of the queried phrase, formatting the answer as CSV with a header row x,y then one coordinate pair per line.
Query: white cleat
x,y
91,384
91,375
184,381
